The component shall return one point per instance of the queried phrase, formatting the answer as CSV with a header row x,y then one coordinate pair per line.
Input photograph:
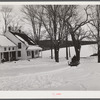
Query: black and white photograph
x,y
50,47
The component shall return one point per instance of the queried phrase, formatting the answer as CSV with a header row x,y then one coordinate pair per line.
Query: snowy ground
x,y
45,74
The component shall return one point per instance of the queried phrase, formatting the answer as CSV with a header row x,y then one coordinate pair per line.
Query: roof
x,y
24,38
4,41
34,48
21,39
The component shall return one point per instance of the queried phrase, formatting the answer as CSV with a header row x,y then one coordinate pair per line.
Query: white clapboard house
x,y
17,46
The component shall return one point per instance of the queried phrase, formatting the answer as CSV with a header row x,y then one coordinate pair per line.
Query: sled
x,y
74,63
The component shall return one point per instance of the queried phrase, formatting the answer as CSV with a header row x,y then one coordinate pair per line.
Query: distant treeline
x,y
46,44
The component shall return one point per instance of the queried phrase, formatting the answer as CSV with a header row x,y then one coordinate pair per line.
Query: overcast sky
x,y
17,13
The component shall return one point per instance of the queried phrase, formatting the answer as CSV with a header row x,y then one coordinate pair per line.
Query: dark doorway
x,y
14,55
32,54
6,56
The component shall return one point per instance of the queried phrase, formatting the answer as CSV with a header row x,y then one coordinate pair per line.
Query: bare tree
x,y
7,16
83,34
57,19
74,25
54,20
95,23
30,11
16,24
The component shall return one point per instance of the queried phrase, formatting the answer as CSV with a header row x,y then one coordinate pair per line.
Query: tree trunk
x,y
56,55
5,26
51,50
66,52
66,47
56,49
98,30
77,46
98,53
56,45
51,53
77,49
77,54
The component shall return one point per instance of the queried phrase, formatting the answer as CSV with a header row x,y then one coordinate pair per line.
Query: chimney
x,y
9,28
19,31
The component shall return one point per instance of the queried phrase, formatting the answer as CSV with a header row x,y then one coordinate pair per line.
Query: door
x,y
14,55
32,54
6,56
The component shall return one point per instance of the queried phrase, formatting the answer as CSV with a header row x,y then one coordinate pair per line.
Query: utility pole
x,y
98,35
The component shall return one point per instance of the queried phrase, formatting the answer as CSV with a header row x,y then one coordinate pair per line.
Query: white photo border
x,y
49,94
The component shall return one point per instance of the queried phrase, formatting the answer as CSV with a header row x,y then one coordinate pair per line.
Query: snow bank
x,y
45,74
82,77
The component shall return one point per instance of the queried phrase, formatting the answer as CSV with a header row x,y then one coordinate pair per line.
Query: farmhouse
x,y
7,49
17,46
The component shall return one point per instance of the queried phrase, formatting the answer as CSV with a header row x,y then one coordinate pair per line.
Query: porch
x,y
34,52
8,56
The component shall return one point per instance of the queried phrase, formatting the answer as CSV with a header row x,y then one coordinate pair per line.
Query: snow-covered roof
x,y
4,41
34,48
21,39
24,38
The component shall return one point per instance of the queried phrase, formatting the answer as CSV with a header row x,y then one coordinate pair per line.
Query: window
x,y
9,48
19,45
1,56
28,53
13,48
19,53
5,49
